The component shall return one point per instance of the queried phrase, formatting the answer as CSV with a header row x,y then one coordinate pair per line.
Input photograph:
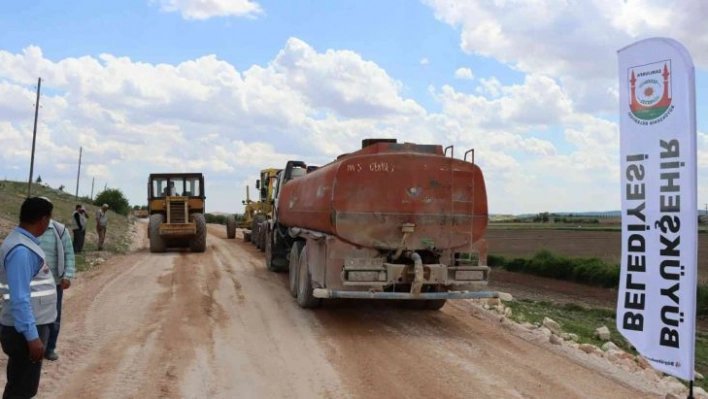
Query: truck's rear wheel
x,y
258,237
304,284
424,304
262,236
198,243
157,243
293,269
269,252
434,304
230,226
255,226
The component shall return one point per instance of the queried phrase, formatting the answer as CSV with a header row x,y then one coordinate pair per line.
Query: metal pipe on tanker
x,y
399,251
418,270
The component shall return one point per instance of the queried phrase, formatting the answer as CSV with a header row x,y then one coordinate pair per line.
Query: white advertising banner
x,y
656,304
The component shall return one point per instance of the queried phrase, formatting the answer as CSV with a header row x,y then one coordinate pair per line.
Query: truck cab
x,y
277,242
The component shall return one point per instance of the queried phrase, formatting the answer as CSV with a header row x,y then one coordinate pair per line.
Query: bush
x,y
702,300
495,260
217,219
115,199
592,271
589,271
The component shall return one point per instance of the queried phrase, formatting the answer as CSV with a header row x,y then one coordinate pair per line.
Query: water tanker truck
x,y
389,221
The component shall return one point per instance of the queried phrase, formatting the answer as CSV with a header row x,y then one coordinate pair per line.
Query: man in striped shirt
x,y
59,255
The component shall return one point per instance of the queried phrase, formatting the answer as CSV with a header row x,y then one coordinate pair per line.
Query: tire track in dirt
x,y
219,325
123,323
274,340
188,327
93,354
145,327
385,351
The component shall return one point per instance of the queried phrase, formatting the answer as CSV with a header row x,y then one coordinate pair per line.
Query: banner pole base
x,y
690,390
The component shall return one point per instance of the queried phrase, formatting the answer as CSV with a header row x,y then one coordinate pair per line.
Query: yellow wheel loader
x,y
176,211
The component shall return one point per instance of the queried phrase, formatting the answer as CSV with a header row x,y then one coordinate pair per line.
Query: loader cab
x,y
175,185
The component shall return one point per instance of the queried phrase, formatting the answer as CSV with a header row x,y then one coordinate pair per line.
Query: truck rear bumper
x,y
325,293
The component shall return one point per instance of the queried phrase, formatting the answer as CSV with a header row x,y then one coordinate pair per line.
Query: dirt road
x,y
219,325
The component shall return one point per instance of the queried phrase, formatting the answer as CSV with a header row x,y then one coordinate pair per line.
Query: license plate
x,y
469,275
363,263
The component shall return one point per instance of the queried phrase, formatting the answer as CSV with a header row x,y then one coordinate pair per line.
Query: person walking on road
x,y
101,224
78,226
59,256
28,299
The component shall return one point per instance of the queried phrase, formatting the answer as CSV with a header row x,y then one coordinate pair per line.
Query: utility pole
x,y
93,179
34,137
78,173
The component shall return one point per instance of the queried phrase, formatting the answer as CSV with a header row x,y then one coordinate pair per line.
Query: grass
x,y
12,194
583,321
573,318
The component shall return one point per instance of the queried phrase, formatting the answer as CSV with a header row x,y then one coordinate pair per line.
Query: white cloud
x,y
205,9
424,61
574,42
464,73
333,80
133,118
537,103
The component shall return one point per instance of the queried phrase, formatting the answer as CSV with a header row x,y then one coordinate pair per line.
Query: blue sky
x,y
397,36
310,79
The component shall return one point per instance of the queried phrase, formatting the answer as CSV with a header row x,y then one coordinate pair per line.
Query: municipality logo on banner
x,y
650,92
656,303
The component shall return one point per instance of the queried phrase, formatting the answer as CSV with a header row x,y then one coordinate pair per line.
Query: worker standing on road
x,y
28,299
78,226
101,224
59,256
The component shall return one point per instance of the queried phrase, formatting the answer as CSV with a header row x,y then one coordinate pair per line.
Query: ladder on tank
x,y
467,206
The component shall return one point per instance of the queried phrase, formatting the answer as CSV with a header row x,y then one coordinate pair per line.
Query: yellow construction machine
x,y
176,211
255,212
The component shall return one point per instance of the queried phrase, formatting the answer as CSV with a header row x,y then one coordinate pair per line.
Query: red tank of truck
x,y
367,197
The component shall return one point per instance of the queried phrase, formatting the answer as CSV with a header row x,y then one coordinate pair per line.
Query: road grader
x,y
255,212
